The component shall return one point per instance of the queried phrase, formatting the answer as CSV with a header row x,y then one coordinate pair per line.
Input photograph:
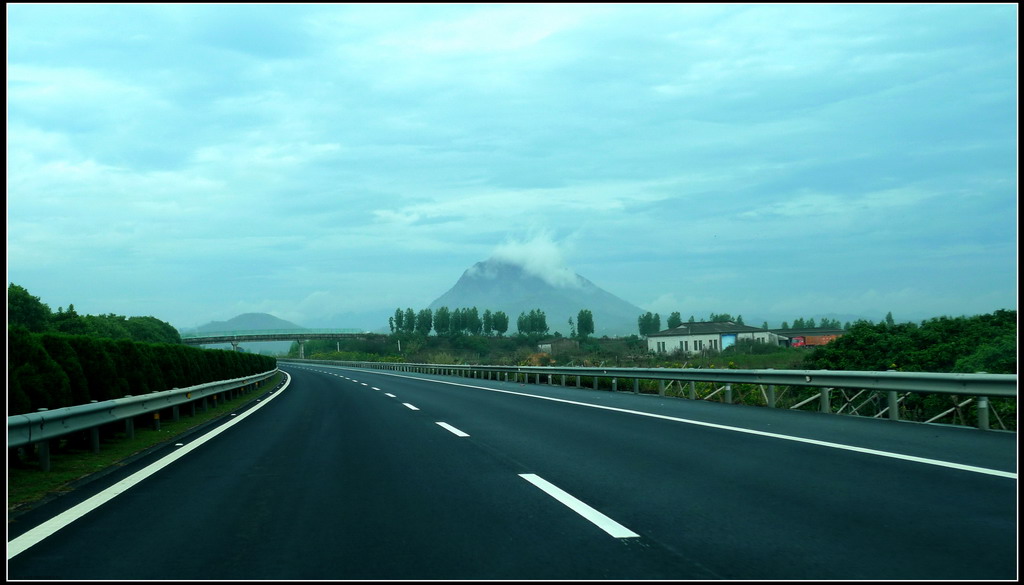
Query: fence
x,y
836,392
38,428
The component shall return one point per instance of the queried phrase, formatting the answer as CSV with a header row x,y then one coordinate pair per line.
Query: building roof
x,y
707,328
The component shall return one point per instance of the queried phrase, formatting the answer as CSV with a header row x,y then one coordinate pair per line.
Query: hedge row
x,y
54,370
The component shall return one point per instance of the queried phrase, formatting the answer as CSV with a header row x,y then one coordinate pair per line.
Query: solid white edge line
x,y
598,519
865,450
46,529
452,429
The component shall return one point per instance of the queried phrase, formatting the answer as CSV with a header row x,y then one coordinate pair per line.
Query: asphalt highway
x,y
348,474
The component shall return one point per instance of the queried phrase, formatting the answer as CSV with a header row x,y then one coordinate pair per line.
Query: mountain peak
x,y
513,287
249,322
498,268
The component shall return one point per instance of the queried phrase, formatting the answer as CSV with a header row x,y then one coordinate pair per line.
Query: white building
x,y
693,338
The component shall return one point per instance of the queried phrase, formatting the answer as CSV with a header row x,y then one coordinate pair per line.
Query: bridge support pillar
x,y
234,346
302,350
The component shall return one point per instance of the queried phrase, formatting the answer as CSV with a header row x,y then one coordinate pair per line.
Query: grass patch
x,y
70,461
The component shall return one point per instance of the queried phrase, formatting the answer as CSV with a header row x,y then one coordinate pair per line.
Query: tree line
x,y
28,311
56,370
982,343
468,321
447,322
56,360
651,322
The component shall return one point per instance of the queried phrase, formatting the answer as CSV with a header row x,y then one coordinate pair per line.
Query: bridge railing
x,y
830,384
269,332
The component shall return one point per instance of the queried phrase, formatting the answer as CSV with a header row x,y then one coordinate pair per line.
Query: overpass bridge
x,y
300,335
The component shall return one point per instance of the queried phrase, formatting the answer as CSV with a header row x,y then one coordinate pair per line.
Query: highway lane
x,y
348,475
794,509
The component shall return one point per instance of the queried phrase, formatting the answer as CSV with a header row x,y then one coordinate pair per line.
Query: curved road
x,y
347,474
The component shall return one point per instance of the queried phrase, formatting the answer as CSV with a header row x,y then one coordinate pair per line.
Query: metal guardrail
x,y
980,385
41,426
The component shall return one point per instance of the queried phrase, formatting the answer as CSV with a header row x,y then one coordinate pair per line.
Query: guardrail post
x,y
563,380
983,412
615,384
595,382
156,421
94,435
894,406
825,405
43,451
661,387
771,395
728,392
579,381
636,385
175,413
129,427
693,390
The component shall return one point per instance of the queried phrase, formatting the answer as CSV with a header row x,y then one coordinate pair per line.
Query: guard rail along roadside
x,y
38,428
980,386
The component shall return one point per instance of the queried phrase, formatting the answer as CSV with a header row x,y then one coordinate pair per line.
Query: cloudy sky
x,y
326,162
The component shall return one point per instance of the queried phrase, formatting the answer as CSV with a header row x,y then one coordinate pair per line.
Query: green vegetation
x,y
53,370
30,313
61,359
962,344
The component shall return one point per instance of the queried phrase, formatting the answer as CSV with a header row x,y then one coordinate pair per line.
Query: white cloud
x,y
539,255
683,154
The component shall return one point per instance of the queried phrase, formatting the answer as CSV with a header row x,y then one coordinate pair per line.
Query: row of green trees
x,y
56,370
469,321
29,312
675,320
825,323
60,359
982,343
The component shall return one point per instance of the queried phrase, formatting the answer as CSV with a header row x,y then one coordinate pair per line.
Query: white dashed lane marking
x,y
600,520
453,430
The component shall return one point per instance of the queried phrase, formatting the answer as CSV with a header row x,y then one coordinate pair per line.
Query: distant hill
x,y
504,286
249,322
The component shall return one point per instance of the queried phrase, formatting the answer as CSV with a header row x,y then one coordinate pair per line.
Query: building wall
x,y
692,344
